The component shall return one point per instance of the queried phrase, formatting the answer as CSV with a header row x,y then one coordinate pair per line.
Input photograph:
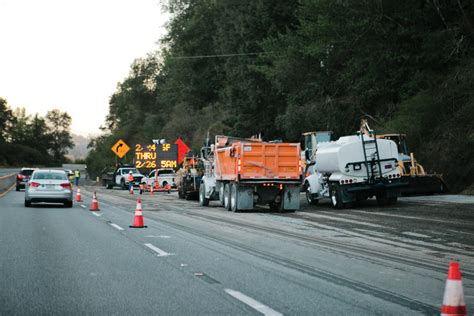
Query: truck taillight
x,y
34,184
239,165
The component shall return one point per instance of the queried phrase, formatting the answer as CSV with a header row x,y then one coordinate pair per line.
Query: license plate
x,y
49,186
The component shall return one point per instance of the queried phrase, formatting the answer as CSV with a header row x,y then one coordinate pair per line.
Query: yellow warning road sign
x,y
120,148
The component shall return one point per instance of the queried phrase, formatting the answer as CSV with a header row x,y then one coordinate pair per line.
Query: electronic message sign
x,y
167,155
145,156
156,156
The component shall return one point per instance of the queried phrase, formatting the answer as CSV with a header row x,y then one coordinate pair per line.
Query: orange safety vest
x,y
130,178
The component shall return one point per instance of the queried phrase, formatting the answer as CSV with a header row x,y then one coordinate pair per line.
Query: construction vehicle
x,y
188,178
351,169
413,173
241,173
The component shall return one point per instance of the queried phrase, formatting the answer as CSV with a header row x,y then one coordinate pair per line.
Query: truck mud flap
x,y
291,198
245,198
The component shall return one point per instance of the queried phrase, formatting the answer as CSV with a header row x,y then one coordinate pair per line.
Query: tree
x,y
61,140
6,119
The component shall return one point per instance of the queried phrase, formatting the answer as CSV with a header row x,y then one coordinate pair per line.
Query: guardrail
x,y
6,183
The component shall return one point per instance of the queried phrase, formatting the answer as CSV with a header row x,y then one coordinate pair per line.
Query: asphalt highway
x,y
193,260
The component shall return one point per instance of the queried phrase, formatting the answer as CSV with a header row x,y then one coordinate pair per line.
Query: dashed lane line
x,y
261,308
115,226
161,253
96,214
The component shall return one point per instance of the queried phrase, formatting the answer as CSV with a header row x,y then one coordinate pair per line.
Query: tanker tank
x,y
339,156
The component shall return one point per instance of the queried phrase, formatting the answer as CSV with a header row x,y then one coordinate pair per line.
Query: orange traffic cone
x,y
138,219
94,204
453,301
78,195
131,189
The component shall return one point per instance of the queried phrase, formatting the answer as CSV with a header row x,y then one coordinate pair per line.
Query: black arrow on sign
x,y
118,147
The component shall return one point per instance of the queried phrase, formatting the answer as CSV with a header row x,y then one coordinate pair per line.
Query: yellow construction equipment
x,y
413,173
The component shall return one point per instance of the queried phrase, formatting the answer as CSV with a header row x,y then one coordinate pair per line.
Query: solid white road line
x,y
96,214
83,206
160,252
265,310
116,226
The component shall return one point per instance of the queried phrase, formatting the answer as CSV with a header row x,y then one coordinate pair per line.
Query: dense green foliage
x,y
282,67
33,141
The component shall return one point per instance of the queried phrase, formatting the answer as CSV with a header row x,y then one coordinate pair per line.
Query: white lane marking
x,y
161,253
415,235
161,236
96,214
265,310
116,226
83,206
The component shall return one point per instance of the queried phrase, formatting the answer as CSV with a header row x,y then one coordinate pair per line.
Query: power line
x,y
220,55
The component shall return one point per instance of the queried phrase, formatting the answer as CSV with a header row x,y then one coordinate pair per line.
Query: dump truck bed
x,y
259,161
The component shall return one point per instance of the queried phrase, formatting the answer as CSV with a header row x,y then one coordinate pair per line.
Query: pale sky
x,y
71,54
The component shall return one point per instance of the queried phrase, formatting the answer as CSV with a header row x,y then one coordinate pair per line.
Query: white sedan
x,y
50,186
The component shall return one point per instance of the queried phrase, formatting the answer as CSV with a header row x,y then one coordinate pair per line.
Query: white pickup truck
x,y
162,176
120,178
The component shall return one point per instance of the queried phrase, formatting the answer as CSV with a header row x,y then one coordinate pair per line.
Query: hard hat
x,y
130,172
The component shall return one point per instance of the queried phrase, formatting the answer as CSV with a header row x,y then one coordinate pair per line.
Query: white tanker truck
x,y
351,169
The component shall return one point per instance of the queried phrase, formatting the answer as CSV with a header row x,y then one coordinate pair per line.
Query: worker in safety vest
x,y
130,180
77,176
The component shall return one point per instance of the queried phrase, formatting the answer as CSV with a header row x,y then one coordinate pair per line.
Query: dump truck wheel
x,y
221,194
227,196
336,199
233,197
203,201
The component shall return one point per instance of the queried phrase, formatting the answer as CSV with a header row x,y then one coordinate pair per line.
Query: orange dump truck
x,y
241,173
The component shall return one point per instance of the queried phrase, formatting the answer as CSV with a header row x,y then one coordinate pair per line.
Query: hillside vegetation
x,y
27,140
282,67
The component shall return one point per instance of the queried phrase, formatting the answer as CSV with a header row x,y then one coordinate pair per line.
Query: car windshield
x,y
46,175
127,170
27,172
